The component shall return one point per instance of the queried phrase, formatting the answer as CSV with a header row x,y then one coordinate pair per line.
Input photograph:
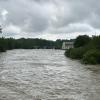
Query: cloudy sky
x,y
49,19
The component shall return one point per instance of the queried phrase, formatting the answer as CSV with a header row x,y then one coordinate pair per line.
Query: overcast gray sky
x,y
49,19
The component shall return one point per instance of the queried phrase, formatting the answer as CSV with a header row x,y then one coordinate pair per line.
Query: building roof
x,y
69,43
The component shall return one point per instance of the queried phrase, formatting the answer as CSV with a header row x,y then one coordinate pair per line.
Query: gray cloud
x,y
40,17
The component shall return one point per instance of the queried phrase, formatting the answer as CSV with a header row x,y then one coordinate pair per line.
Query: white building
x,y
67,45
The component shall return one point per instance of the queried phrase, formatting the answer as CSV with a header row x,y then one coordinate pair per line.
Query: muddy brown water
x,y
46,75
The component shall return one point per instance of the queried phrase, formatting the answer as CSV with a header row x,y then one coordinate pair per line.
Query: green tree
x,y
81,40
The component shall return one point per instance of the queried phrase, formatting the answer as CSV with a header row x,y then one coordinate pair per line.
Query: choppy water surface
x,y
46,75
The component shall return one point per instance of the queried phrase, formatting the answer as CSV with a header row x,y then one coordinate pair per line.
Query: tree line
x,y
29,43
86,48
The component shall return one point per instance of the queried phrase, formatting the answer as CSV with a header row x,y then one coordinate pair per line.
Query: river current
x,y
46,75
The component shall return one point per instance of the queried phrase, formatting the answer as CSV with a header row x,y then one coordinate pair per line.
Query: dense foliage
x,y
81,40
85,48
29,43
92,57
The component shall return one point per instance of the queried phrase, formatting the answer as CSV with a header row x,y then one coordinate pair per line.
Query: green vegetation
x,y
85,48
91,57
10,43
29,43
81,41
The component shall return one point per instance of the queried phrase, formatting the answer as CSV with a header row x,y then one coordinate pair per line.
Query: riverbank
x,y
89,53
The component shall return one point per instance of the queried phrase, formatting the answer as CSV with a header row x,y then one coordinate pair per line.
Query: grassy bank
x,y
86,49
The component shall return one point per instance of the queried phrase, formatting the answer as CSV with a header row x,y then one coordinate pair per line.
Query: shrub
x,y
87,49
67,52
91,57
76,53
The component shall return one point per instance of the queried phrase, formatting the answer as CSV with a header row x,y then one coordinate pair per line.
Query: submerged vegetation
x,y
86,48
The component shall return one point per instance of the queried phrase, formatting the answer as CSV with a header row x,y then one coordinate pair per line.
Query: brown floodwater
x,y
46,75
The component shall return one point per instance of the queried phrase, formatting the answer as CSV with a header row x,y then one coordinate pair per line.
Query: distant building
x,y
67,45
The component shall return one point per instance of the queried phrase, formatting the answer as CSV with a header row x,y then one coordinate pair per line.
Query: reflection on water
x,y
46,75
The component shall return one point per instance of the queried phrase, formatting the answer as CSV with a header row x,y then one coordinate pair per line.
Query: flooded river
x,y
46,75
